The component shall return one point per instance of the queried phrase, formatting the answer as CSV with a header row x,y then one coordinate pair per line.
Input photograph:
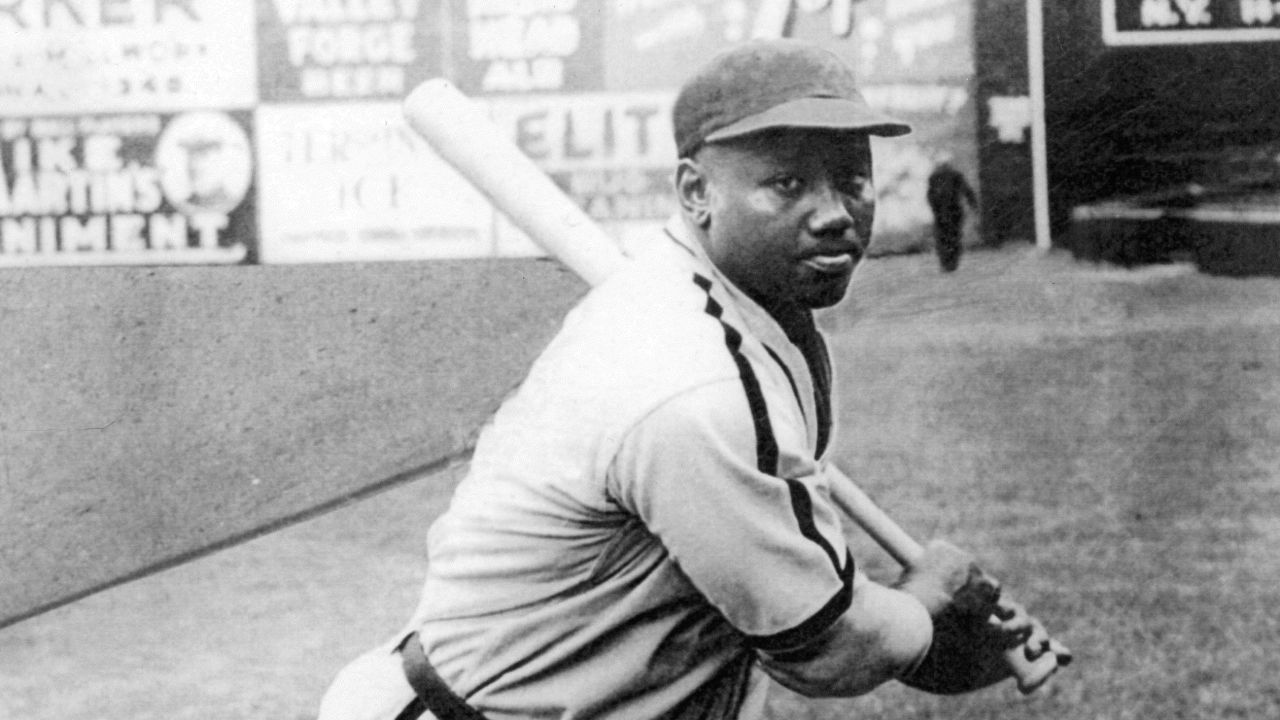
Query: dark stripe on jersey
x,y
766,443
804,334
791,644
413,710
822,393
802,506
786,371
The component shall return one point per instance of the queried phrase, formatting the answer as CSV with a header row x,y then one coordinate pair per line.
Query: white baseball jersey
x,y
647,512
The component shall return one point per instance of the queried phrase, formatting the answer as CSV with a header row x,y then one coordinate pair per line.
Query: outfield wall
x,y
149,415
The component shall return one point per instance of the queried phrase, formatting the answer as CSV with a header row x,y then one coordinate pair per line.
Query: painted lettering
x,y
55,154
544,73
512,37
350,82
12,10
21,237
478,8
1195,12
96,13
1259,12
641,116
1173,13
351,44
117,12
59,186
531,135
167,232
89,235
99,234
338,11
207,227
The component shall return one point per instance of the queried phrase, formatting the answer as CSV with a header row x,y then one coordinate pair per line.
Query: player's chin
x,y
817,290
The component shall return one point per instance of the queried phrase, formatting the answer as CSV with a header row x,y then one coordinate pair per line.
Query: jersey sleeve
x,y
756,535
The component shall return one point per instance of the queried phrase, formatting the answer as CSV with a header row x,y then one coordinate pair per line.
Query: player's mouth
x,y
831,264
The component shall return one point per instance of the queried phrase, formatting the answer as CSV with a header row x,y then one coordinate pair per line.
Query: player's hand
x,y
973,625
968,653
946,578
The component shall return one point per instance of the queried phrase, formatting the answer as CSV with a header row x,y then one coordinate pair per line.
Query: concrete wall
x,y
148,415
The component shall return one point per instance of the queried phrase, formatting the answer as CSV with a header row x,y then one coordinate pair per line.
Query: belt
x,y
431,689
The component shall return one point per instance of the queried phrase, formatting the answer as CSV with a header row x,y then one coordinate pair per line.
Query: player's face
x,y
788,214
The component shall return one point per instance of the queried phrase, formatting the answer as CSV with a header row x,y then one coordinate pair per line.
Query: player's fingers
x,y
1017,627
1006,610
1062,652
1037,642
986,585
1013,616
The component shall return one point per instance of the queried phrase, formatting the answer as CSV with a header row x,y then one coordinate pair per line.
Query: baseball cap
x,y
765,84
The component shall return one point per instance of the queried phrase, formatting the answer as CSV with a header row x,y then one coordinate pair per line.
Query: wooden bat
x,y
467,139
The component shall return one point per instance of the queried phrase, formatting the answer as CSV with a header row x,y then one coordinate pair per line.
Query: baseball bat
x,y
468,140
460,133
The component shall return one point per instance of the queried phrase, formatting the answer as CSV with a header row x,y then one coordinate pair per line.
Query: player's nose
x,y
830,217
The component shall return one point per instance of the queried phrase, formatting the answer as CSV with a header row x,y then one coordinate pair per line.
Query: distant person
x,y
948,192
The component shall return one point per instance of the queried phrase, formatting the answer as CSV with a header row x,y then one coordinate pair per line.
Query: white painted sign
x,y
101,56
352,182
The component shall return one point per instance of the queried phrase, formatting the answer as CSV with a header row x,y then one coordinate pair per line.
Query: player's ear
x,y
691,191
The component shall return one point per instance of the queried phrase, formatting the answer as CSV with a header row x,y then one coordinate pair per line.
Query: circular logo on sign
x,y
205,162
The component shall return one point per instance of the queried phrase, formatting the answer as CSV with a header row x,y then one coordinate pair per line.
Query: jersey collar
x,y
677,229
751,316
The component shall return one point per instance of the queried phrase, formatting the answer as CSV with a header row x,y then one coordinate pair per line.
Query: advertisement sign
x,y
102,56
324,50
613,153
907,40
352,181
653,45
522,46
139,188
1178,22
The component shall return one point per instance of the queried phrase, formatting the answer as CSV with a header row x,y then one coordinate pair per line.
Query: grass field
x,y
1107,441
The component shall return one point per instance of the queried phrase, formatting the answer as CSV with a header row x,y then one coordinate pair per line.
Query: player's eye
x,y
854,184
786,184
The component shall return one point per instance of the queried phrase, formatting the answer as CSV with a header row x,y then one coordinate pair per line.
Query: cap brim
x,y
816,113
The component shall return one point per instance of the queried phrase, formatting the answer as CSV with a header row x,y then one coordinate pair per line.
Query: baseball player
x,y
645,530
947,193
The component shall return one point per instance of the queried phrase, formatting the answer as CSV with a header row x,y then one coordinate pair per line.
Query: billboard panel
x,y
319,50
911,40
352,181
653,45
126,55
613,153
1181,22
138,188
500,46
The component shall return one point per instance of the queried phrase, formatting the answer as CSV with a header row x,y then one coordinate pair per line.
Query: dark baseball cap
x,y
766,84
